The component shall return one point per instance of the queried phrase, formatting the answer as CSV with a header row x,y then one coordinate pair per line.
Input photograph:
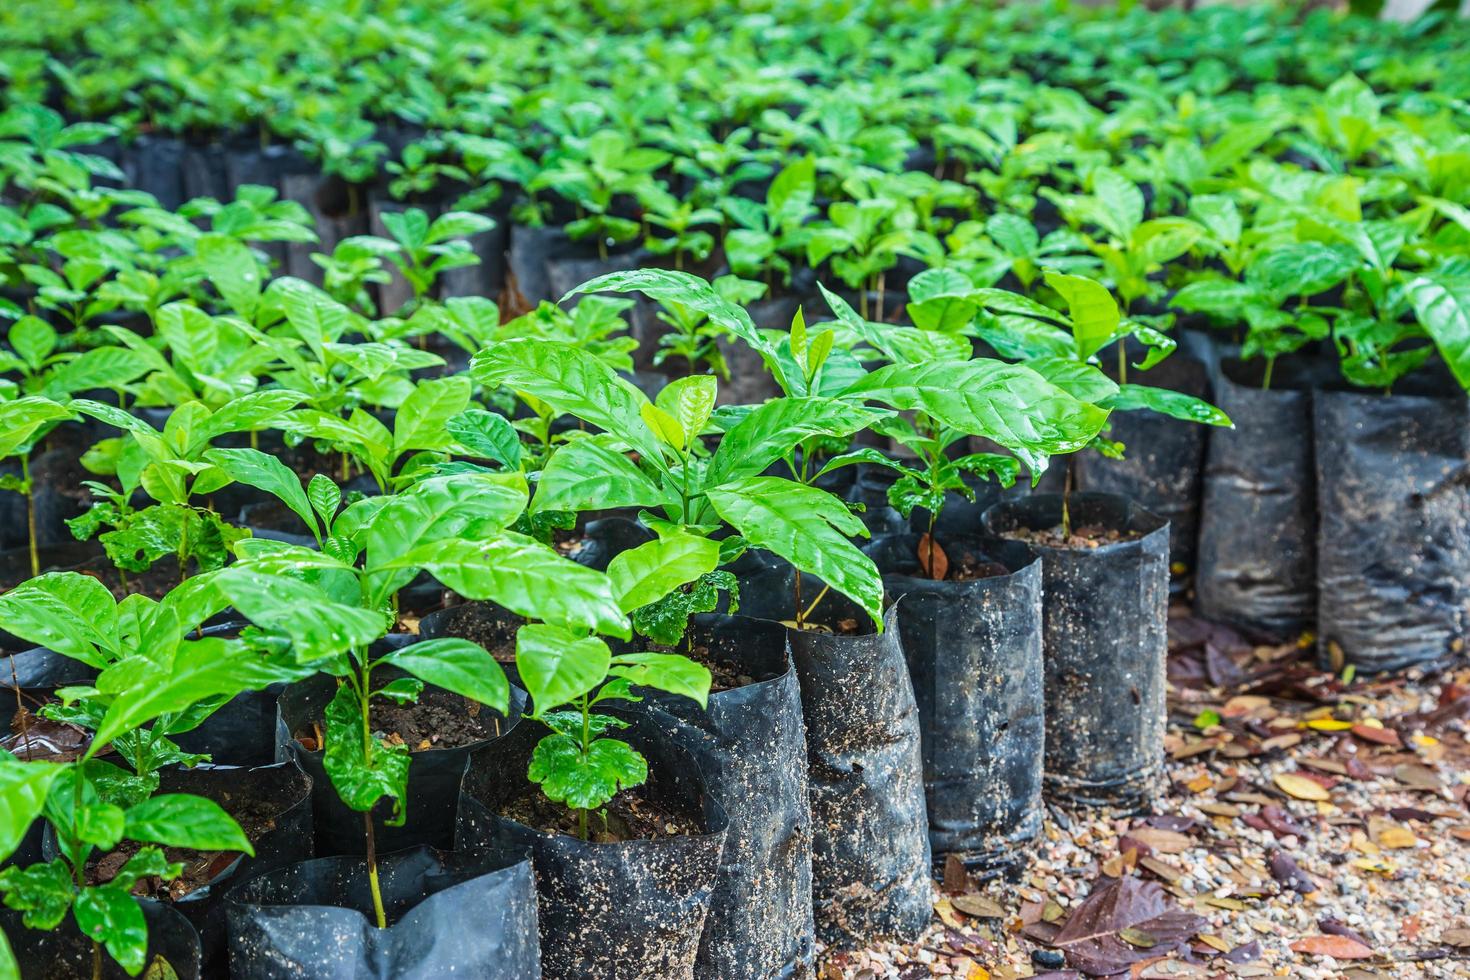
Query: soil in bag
x,y
441,731
1105,592
751,745
1393,546
870,840
467,912
1256,565
272,805
973,646
64,953
631,901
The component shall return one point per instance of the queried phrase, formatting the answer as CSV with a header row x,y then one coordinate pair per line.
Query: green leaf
x,y
692,292
421,419
1442,304
21,417
1094,312
109,915
650,571
585,782
525,577
231,267
663,425
71,613
770,431
486,434
457,224
33,339
594,473
1007,403
570,380
1302,269
689,401
557,666
42,892
185,820
669,672
809,528
23,788
362,774
318,626
1168,402
325,497
1119,200
665,620
456,665
265,472
166,682
1085,382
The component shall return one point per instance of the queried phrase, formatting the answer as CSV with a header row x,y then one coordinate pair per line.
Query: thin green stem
x,y
29,491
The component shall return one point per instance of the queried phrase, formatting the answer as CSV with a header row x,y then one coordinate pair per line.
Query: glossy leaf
x,y
557,666
185,820
456,665
809,528
650,571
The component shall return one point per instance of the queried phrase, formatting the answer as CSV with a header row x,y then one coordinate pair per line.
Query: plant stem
x,y
1266,381
800,619
1066,495
372,866
1122,364
364,695
25,482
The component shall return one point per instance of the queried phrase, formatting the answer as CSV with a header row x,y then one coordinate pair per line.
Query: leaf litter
x,y
1312,827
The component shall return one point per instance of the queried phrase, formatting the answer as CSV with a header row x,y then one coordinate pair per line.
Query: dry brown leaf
x,y
978,906
1300,786
1337,947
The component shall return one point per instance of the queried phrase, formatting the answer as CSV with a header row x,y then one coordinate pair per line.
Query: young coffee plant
x,y
328,607
570,673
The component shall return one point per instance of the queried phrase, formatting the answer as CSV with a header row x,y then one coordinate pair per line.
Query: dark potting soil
x,y
1081,538
630,815
256,817
725,675
497,637
438,720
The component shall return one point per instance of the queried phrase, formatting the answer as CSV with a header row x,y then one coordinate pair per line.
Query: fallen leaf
x,y
1417,777
1091,937
956,877
1285,870
1137,937
1337,947
1379,736
1157,840
978,906
944,908
932,558
1459,938
1300,786
1396,838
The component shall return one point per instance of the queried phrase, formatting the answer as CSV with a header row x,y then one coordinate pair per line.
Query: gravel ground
x,y
1312,826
